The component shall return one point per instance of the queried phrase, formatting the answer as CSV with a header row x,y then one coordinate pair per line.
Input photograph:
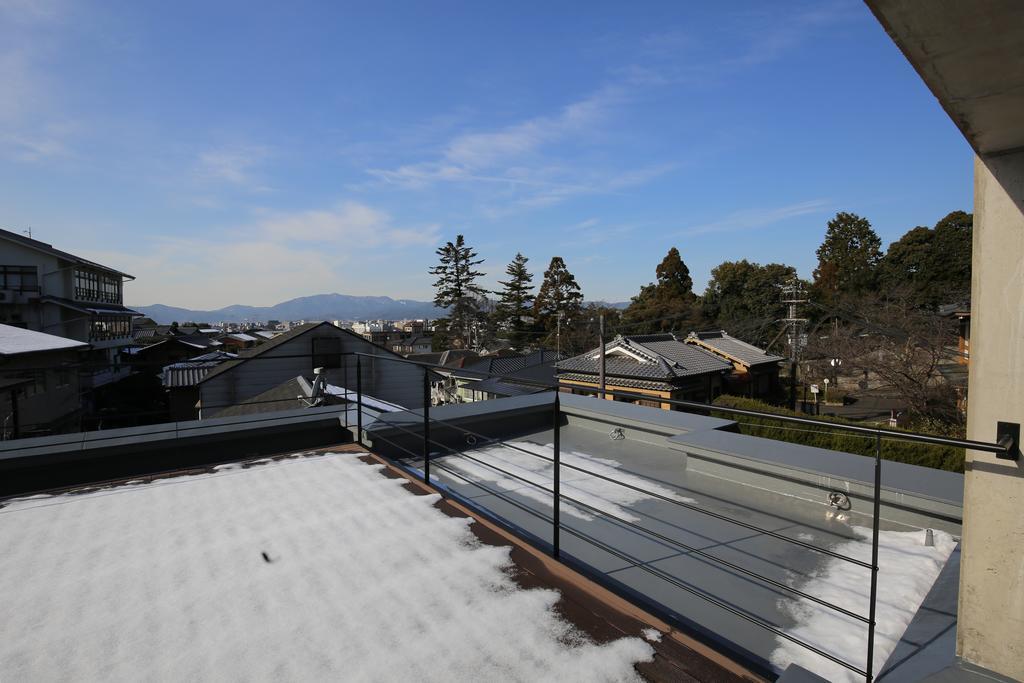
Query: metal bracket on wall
x,y
1008,436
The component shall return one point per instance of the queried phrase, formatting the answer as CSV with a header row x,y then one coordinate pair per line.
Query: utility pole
x,y
600,372
793,296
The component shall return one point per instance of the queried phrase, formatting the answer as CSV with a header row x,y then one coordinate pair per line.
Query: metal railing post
x,y
359,400
556,493
344,375
426,425
874,557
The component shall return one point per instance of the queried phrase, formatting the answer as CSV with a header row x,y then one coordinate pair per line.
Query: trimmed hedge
x,y
926,455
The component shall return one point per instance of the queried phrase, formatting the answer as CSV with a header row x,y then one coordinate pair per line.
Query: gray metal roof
x,y
731,347
501,387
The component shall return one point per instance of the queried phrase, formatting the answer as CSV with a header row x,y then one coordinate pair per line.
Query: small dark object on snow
x,y
266,558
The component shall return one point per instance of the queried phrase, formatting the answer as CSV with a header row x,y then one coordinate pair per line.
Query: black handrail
x,y
558,497
971,444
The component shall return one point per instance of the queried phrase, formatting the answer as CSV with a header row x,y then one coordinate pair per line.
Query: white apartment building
x,y
51,291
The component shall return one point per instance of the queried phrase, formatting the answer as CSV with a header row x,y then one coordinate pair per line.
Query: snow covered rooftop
x,y
16,340
309,568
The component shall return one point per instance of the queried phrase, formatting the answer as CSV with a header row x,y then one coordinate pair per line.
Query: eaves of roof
x,y
49,249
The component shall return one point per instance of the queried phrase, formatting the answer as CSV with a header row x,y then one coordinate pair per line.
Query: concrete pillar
x,y
990,632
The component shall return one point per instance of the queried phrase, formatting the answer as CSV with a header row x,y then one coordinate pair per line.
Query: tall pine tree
x,y
848,258
456,289
559,295
514,313
665,305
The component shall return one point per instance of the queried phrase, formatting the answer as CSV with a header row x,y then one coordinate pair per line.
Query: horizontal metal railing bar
x,y
680,544
456,451
639,564
716,515
635,562
494,493
491,439
886,433
718,560
662,537
858,429
725,518
398,446
873,431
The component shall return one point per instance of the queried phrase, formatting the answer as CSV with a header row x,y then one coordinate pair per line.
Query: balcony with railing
x,y
772,553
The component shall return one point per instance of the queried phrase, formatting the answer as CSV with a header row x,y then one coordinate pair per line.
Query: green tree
x,y
954,236
664,305
847,258
559,295
514,312
744,298
456,289
930,267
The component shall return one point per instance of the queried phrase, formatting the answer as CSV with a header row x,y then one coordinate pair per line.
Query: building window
x,y
93,286
19,278
105,327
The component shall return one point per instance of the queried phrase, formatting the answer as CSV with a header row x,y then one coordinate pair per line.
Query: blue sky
x,y
234,153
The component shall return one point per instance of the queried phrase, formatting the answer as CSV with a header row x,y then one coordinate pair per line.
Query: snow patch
x,y
312,568
907,570
606,496
652,634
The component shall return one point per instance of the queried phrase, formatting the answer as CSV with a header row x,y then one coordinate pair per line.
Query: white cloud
x,y
203,274
235,165
515,162
349,222
490,149
278,257
757,218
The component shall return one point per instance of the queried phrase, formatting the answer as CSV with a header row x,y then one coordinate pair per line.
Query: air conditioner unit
x,y
6,295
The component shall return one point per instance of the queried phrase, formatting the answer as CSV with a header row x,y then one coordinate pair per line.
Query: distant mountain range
x,y
317,307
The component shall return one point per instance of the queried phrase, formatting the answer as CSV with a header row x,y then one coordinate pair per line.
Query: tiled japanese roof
x,y
617,381
653,356
507,365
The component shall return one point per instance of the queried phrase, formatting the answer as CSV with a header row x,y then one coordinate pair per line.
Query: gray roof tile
x,y
663,358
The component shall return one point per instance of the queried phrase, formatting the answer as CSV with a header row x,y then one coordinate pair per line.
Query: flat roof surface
x,y
653,569
17,340
313,566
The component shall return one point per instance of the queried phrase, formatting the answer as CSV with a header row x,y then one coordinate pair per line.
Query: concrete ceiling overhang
x,y
970,53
